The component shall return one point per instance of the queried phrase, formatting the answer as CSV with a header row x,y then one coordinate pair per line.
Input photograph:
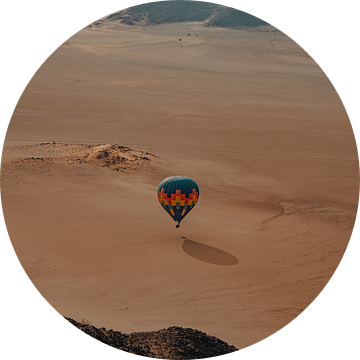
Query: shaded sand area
x,y
246,114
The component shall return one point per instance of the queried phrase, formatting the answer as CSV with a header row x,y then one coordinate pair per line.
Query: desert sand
x,y
246,113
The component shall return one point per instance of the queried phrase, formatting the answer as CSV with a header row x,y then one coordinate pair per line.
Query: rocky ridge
x,y
113,156
172,343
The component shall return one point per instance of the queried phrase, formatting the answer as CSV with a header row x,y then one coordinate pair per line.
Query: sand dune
x,y
246,114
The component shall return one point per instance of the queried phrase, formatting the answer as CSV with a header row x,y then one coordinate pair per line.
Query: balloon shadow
x,y
208,253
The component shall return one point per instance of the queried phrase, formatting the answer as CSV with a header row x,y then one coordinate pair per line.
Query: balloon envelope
x,y
178,195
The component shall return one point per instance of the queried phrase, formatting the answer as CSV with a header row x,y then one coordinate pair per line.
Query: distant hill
x,y
170,11
232,18
172,343
182,11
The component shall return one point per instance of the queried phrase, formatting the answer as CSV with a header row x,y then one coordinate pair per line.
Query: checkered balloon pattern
x,y
178,195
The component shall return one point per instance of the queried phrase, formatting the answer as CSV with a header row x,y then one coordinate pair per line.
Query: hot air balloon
x,y
178,195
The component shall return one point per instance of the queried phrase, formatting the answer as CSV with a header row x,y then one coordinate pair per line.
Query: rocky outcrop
x,y
172,343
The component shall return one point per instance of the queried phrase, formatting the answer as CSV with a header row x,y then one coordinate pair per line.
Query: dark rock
x,y
172,343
